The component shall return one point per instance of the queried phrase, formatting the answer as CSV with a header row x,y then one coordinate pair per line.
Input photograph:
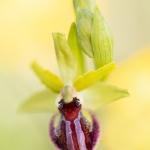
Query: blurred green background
x,y
25,35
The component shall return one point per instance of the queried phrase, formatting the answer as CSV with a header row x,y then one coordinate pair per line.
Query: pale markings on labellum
x,y
80,134
70,144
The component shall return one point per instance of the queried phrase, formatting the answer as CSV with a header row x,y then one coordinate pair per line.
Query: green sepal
x,y
65,58
93,76
102,40
101,94
43,101
49,79
73,44
84,27
88,4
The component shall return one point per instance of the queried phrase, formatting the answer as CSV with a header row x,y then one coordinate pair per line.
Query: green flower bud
x,y
84,27
89,4
102,40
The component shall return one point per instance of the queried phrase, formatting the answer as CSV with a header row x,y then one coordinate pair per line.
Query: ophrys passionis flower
x,y
89,36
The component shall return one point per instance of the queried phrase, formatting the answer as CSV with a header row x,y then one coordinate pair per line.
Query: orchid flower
x,y
78,94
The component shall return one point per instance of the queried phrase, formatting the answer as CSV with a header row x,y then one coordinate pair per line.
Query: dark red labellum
x,y
74,132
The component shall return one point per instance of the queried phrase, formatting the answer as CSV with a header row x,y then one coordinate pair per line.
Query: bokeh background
x,y
25,35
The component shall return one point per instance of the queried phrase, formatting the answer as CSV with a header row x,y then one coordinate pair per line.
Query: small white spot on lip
x,y
58,98
80,97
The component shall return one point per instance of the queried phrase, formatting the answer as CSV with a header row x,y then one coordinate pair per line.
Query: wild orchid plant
x,y
89,36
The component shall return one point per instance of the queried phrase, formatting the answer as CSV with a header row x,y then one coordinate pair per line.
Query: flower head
x,y
77,90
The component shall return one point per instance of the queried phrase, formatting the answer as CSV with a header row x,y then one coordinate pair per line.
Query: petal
x,y
65,58
84,27
73,44
102,40
43,101
93,76
101,94
49,79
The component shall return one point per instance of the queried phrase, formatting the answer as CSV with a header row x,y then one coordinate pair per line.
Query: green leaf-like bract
x,y
42,101
49,79
101,94
93,76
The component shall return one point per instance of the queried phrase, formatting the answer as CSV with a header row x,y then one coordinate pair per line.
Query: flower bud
x,y
89,4
102,40
84,27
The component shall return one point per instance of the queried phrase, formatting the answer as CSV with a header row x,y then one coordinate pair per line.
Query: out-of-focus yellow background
x,y
25,34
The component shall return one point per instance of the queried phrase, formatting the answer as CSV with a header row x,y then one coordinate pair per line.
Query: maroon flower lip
x,y
71,110
74,132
